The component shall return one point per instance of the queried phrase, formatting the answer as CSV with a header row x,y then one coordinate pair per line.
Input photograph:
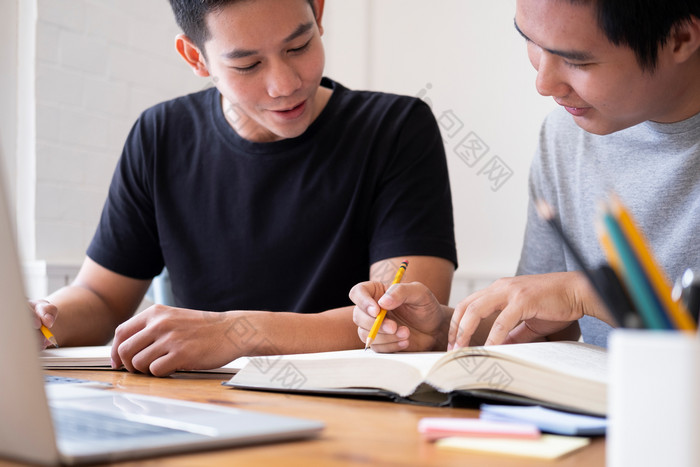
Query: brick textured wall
x,y
100,63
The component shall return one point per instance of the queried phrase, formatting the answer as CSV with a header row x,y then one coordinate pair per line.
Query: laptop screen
x,y
26,425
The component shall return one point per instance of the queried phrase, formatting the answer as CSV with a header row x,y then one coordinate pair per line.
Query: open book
x,y
99,358
563,375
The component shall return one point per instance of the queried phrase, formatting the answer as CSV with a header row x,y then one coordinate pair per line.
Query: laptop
x,y
71,424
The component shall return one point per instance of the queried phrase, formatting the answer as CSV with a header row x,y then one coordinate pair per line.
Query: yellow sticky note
x,y
545,447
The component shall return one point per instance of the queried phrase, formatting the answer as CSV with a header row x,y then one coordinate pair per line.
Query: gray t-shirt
x,y
655,170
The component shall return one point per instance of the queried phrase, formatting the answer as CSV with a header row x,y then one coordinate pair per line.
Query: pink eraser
x,y
436,428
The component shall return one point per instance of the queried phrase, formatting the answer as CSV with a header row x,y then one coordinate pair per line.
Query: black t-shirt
x,y
290,225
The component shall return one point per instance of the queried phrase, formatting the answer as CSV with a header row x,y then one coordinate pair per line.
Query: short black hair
x,y
642,25
191,16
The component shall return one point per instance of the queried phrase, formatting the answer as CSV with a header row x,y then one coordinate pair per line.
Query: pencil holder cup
x,y
654,399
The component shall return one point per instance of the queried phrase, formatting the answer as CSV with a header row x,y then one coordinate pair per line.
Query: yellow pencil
x,y
677,313
49,336
382,312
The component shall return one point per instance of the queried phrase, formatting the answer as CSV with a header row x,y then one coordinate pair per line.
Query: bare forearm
x,y
98,300
272,333
83,318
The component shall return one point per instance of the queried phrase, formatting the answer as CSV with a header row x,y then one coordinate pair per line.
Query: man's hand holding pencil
x,y
415,320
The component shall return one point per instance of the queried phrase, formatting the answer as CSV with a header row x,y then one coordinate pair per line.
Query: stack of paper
x,y
547,420
514,430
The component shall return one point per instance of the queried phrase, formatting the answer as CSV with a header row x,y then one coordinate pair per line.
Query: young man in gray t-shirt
x,y
627,78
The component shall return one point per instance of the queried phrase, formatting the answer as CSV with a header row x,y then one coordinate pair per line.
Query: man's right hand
x,y
415,320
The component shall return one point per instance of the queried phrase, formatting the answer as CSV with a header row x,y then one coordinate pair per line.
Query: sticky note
x,y
545,447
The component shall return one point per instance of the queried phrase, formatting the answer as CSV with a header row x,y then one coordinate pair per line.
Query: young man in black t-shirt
x,y
267,198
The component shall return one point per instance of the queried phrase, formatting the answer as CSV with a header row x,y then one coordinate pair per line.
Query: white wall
x,y
86,69
9,17
100,62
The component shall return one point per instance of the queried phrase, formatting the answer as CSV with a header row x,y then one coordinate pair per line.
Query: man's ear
x,y
191,54
685,39
318,5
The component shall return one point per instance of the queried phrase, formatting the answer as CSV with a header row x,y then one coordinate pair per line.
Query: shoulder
x,y
191,107
377,105
167,127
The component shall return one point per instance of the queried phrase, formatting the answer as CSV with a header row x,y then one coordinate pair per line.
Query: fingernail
x,y
383,300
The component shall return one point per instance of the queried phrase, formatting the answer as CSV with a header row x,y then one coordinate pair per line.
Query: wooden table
x,y
358,432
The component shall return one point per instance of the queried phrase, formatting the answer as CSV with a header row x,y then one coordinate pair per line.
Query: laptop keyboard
x,y
51,379
87,426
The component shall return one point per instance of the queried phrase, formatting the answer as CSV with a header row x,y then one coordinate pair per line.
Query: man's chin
x,y
600,127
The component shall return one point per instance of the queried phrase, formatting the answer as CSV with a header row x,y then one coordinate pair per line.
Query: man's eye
x,y
246,69
302,48
577,66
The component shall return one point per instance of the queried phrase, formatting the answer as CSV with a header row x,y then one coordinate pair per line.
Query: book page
x,y
77,357
98,357
563,374
574,358
399,373
422,361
